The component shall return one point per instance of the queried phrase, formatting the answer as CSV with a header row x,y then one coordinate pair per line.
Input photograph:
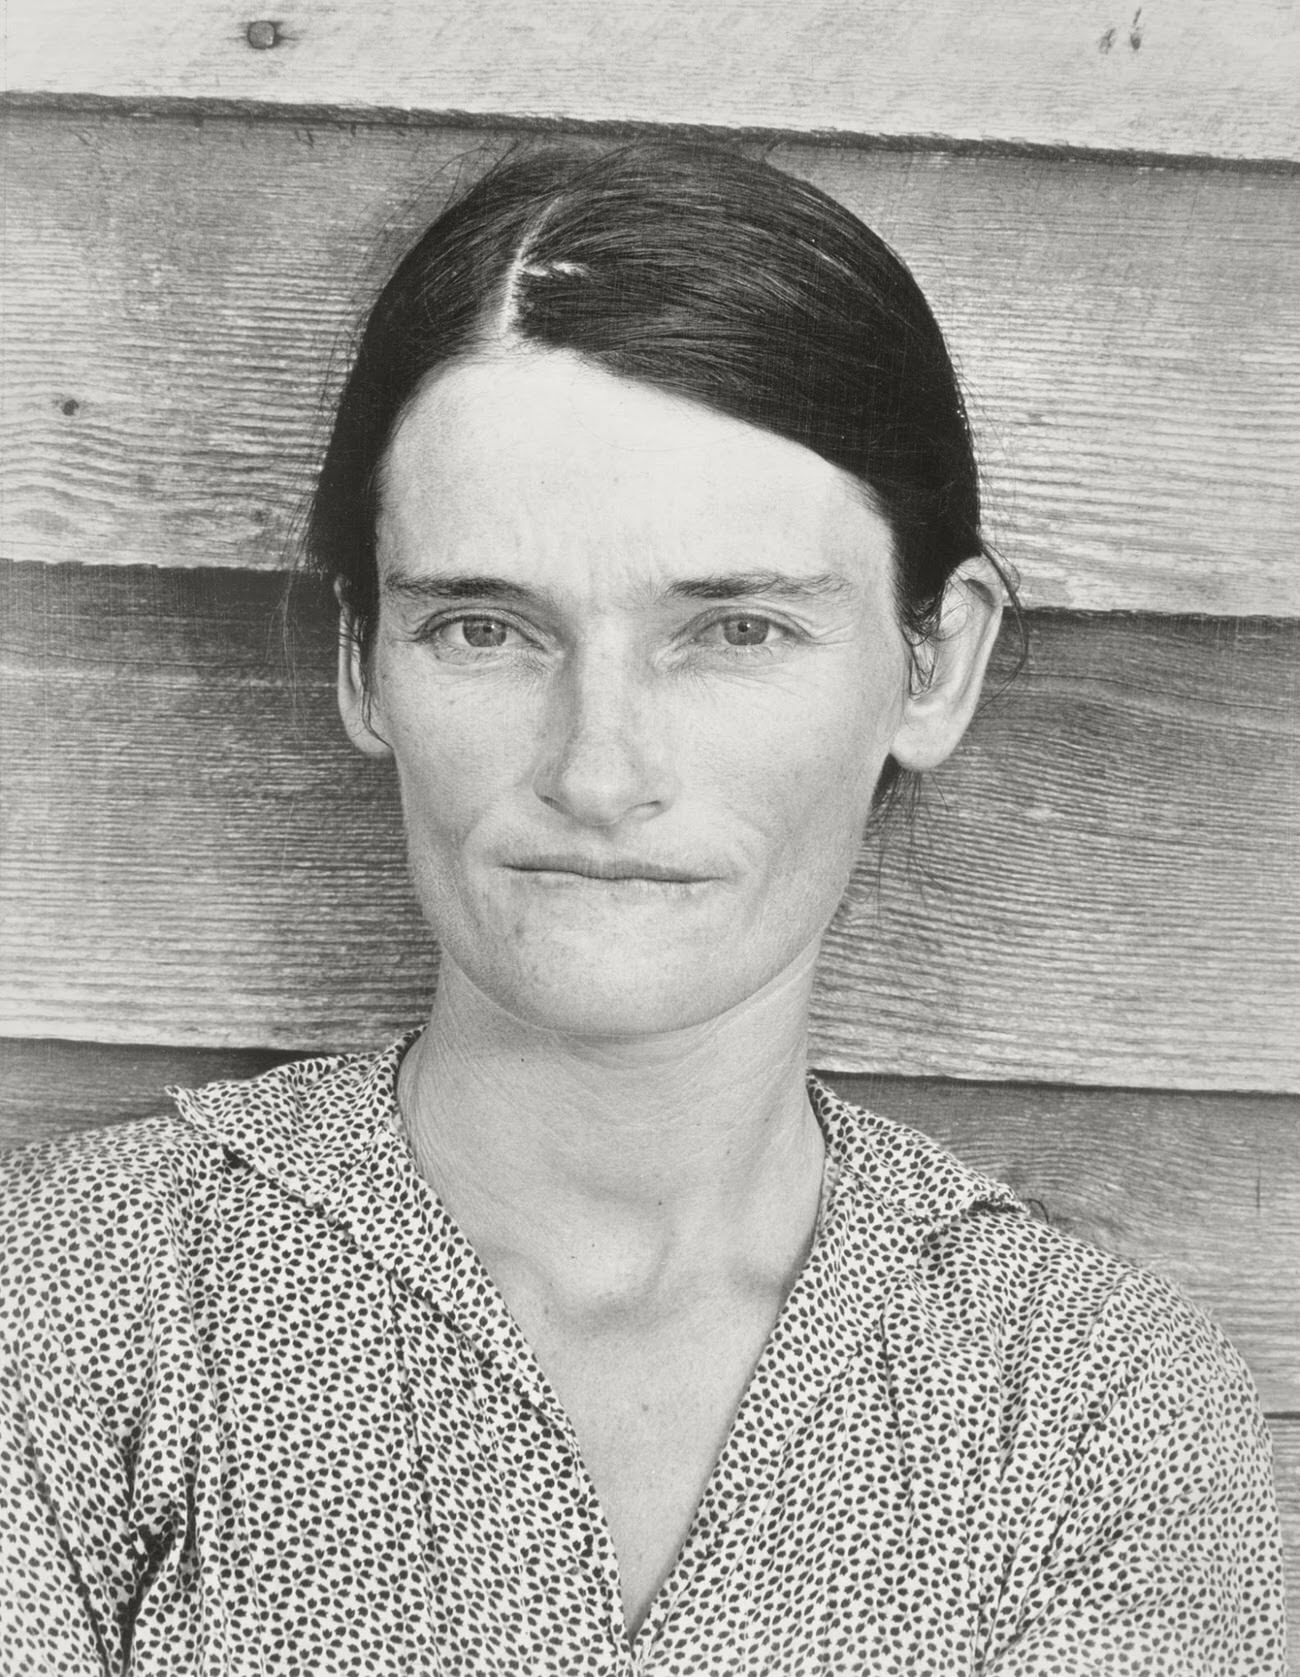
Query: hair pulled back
x,y
693,269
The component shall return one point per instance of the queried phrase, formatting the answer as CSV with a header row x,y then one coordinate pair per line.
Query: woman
x,y
583,1331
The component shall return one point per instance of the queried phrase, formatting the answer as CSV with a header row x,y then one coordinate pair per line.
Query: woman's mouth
x,y
607,870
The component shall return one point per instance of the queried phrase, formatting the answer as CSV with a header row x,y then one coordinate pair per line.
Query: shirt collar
x,y
327,1131
900,1168
308,1124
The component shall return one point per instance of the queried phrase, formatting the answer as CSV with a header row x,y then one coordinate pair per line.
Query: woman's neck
x,y
621,1170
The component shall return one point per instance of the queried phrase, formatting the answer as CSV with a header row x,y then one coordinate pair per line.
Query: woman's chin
x,y
607,1000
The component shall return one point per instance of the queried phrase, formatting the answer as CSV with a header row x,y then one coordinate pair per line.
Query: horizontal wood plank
x,y
1098,889
1172,75
50,1088
1204,1189
178,297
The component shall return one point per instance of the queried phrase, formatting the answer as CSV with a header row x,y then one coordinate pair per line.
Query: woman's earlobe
x,y
953,661
355,692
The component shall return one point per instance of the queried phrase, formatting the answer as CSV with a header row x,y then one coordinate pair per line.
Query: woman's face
x,y
639,669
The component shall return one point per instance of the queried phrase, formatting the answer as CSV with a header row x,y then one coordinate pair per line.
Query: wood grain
x,y
178,296
1099,889
1204,1189
1172,75
50,1088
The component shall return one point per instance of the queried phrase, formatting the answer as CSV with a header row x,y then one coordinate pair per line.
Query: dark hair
x,y
704,273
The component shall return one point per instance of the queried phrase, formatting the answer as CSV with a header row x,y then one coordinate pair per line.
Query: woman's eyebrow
x,y
748,585
457,587
727,585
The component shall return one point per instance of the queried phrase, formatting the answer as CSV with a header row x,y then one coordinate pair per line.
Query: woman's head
x,y
696,271
632,570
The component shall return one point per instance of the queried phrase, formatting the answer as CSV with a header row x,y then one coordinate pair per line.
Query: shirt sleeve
x,y
91,1430
63,1497
1166,1559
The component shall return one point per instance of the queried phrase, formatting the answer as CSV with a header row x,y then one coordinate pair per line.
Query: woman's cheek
x,y
456,751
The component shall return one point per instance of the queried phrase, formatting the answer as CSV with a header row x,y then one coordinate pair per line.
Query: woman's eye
x,y
484,631
477,633
743,630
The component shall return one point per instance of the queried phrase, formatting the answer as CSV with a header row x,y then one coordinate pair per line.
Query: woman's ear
x,y
356,698
950,667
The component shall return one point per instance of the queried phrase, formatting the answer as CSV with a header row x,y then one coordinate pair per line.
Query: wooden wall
x,y
1080,969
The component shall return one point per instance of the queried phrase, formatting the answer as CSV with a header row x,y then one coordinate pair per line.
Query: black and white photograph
x,y
650,839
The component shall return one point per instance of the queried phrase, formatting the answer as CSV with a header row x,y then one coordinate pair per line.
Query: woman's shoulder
x,y
108,1209
92,1266
1039,1296
106,1235
1069,1315
137,1168
64,1196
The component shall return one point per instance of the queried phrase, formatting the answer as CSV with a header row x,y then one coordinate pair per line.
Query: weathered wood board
x,y
1204,1189
1195,76
50,1088
178,294
1098,889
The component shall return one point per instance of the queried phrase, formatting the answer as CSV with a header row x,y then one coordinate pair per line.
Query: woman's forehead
x,y
538,457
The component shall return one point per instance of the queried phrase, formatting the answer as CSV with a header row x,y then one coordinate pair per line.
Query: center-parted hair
x,y
703,273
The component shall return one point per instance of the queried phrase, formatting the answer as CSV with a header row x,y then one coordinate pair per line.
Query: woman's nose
x,y
603,755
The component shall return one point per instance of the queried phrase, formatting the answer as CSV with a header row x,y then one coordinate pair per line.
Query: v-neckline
x,y
328,1133
810,1342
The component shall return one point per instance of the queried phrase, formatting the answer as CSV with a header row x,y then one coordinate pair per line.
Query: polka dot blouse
x,y
265,1413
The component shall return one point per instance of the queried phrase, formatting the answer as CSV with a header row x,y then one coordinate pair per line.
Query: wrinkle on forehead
x,y
537,458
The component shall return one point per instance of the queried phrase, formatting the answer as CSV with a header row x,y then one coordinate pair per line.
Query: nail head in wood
x,y
263,34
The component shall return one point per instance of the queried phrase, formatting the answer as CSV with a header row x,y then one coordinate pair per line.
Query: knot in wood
x,y
263,34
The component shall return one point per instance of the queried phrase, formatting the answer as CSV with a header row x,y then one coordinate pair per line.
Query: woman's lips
x,y
608,871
